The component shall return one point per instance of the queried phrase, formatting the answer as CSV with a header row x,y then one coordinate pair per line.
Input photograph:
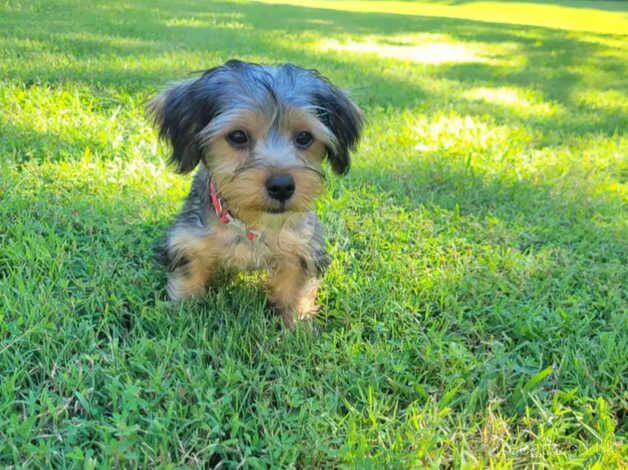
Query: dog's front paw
x,y
293,307
182,285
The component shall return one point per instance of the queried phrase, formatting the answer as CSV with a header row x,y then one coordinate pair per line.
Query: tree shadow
x,y
109,34
555,63
172,35
455,186
102,44
513,257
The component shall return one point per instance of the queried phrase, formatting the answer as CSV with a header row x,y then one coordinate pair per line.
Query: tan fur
x,y
292,292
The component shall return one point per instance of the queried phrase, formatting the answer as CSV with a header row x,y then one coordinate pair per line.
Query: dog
x,y
261,135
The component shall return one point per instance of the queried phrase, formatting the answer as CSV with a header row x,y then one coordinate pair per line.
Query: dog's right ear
x,y
180,113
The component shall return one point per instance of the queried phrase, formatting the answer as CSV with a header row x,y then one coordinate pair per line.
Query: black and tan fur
x,y
277,109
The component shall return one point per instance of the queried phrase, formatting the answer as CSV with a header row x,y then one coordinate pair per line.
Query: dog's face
x,y
263,133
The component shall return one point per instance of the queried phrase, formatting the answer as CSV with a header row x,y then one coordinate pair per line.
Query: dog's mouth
x,y
278,209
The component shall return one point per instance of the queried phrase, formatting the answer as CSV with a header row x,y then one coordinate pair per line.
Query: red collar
x,y
225,216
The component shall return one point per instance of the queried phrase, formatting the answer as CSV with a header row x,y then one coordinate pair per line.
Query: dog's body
x,y
199,245
261,134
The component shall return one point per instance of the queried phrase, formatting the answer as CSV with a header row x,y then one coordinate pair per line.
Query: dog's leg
x,y
188,280
292,288
190,265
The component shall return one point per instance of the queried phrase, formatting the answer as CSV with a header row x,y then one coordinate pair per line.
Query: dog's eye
x,y
238,138
304,139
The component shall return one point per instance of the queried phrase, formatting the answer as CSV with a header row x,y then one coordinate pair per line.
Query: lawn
x,y
475,313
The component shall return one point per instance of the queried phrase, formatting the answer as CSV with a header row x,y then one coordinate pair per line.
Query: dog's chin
x,y
283,209
276,210
281,213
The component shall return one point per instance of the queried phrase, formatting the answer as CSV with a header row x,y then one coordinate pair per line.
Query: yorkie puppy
x,y
261,134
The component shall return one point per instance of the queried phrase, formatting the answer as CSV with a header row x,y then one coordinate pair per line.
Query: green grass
x,y
475,313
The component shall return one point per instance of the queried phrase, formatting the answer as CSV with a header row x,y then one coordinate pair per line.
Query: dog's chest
x,y
242,254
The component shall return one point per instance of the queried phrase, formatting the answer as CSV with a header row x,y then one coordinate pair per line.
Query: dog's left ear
x,y
180,113
342,117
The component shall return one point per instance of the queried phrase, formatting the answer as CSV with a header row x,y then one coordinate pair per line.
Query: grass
x,y
580,15
475,312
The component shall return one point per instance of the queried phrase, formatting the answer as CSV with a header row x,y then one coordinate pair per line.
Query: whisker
x,y
247,166
318,172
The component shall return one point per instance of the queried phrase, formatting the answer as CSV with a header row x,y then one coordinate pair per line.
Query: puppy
x,y
261,135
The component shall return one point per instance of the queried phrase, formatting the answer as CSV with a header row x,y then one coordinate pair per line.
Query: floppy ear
x,y
343,117
181,112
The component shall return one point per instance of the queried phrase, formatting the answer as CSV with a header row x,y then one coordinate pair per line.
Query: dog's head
x,y
263,132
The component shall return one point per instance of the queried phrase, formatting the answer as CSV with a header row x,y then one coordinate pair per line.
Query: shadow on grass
x,y
105,47
97,235
543,215
139,47
517,266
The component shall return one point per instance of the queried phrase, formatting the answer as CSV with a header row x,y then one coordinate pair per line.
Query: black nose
x,y
280,187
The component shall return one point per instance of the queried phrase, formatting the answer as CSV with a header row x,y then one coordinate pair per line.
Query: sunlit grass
x,y
521,101
430,52
474,314
570,15
205,23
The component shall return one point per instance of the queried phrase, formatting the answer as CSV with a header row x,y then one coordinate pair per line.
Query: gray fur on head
x,y
184,113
